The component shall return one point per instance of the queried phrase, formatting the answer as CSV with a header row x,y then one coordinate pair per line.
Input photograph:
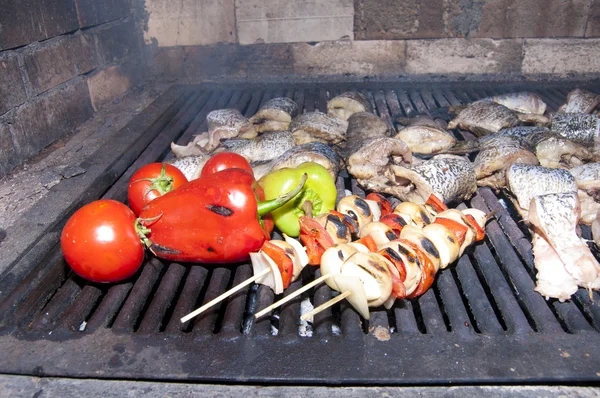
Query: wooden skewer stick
x,y
291,296
223,296
325,305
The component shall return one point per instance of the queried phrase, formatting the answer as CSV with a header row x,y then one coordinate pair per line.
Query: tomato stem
x,y
142,231
163,183
273,204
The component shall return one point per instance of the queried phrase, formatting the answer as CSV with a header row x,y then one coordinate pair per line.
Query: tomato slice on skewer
x,y
480,232
284,263
384,204
460,230
436,203
369,242
315,238
394,221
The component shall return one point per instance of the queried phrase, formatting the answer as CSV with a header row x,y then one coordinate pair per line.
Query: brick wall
x,y
60,61
421,39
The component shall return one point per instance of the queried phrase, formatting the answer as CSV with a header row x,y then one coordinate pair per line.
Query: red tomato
x,y
150,182
225,160
100,242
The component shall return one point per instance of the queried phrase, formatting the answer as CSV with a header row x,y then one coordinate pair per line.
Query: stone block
x,y
51,117
51,64
371,57
8,156
593,24
561,56
532,18
12,88
463,56
25,21
190,22
94,12
502,19
391,19
108,84
117,41
274,21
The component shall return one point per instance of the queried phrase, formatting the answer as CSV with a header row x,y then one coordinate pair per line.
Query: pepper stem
x,y
270,205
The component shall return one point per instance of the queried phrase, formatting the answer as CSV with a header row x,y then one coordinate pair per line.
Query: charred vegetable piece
x,y
284,261
213,219
315,238
317,197
357,208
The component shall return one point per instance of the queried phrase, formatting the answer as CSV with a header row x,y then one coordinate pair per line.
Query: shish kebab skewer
x,y
278,260
400,268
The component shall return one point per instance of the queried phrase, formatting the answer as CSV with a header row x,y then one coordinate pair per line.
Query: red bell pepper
x,y
213,219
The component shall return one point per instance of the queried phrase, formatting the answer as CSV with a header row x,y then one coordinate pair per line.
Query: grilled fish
x,y
194,148
497,154
551,149
311,152
370,152
227,123
587,177
552,279
318,126
580,101
275,115
426,140
522,102
421,120
578,127
348,103
451,177
365,125
266,146
371,160
596,229
525,181
190,166
554,217
483,118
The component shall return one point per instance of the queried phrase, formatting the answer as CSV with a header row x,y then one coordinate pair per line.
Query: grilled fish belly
x,y
426,140
275,114
524,102
451,177
552,279
596,229
346,104
312,152
526,181
554,217
190,166
266,146
372,160
318,126
483,118
578,127
580,101
227,123
497,154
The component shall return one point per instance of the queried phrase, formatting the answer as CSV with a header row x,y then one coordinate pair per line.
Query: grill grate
x,y
481,322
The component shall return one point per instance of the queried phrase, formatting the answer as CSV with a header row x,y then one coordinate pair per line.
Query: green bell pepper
x,y
317,197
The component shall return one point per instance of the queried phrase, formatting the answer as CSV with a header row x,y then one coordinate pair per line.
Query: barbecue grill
x,y
480,323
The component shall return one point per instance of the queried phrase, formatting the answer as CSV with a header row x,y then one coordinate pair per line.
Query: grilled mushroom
x,y
418,214
357,208
374,272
